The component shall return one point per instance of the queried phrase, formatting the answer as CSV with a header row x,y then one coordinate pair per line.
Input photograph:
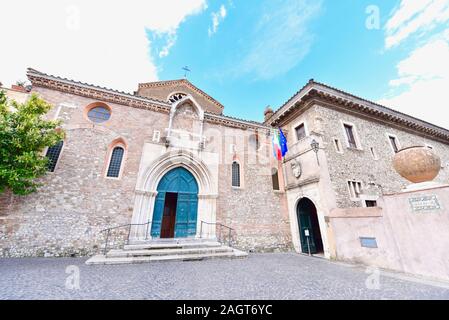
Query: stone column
x,y
143,213
207,204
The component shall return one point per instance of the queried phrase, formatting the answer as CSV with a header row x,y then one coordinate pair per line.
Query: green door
x,y
309,229
183,183
306,233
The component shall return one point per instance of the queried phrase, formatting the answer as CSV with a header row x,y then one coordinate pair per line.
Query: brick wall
x,y
77,201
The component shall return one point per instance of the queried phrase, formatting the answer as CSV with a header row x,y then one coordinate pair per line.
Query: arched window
x,y
53,154
275,179
235,174
115,163
176,97
99,113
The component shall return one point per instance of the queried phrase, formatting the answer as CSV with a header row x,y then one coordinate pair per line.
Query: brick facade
x,y
77,201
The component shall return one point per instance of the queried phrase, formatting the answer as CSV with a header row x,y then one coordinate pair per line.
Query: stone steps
x,y
157,251
171,245
161,252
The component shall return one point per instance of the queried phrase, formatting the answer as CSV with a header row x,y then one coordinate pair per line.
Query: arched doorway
x,y
176,205
309,227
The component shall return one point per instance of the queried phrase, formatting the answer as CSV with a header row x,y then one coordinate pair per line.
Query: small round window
x,y
99,114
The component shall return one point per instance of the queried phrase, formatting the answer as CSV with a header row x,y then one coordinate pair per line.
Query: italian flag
x,y
277,151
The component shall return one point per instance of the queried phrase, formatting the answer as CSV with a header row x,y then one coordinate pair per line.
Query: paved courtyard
x,y
260,276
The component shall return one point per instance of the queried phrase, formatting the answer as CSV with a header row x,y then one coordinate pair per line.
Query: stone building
x,y
167,160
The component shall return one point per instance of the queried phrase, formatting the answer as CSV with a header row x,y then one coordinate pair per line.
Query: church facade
x,y
168,161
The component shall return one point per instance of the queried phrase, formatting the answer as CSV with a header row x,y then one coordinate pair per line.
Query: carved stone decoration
x,y
185,127
296,168
417,164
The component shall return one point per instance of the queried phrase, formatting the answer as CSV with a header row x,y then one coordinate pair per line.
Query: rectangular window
x,y
300,131
355,189
275,179
156,136
370,203
350,136
394,144
235,174
337,145
373,153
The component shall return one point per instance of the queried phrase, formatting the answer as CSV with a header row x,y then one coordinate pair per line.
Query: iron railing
x,y
220,225
130,225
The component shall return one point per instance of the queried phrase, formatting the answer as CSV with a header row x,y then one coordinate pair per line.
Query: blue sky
x,y
325,40
246,53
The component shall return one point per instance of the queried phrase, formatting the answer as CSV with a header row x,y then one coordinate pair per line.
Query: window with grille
x,y
235,174
350,136
53,154
99,114
275,179
355,189
116,162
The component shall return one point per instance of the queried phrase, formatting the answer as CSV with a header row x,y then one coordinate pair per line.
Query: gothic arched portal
x,y
176,205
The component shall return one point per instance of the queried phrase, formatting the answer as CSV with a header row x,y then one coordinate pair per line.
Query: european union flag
x,y
283,142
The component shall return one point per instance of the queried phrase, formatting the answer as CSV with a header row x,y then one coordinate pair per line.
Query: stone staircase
x,y
167,250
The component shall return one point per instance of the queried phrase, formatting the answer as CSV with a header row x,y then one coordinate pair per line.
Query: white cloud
x,y
101,42
424,81
217,18
413,16
281,38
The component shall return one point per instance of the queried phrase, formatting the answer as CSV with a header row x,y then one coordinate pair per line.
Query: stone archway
x,y
309,227
146,193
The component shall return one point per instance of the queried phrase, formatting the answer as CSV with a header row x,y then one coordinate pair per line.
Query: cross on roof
x,y
186,69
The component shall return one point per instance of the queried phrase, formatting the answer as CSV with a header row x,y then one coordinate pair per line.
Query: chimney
x,y
268,113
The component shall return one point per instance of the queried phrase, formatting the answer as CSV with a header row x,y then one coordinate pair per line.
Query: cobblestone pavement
x,y
260,276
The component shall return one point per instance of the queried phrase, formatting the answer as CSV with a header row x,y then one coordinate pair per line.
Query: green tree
x,y
24,134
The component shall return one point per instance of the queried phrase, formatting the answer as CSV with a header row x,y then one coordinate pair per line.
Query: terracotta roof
x,y
181,81
349,101
32,74
75,87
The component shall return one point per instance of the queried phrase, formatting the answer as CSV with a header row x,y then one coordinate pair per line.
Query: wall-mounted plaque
x,y
368,242
424,203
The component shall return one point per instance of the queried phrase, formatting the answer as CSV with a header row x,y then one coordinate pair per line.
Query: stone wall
x,y
77,201
256,212
359,164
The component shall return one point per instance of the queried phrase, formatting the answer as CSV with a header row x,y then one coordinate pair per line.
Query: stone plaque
x,y
424,203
